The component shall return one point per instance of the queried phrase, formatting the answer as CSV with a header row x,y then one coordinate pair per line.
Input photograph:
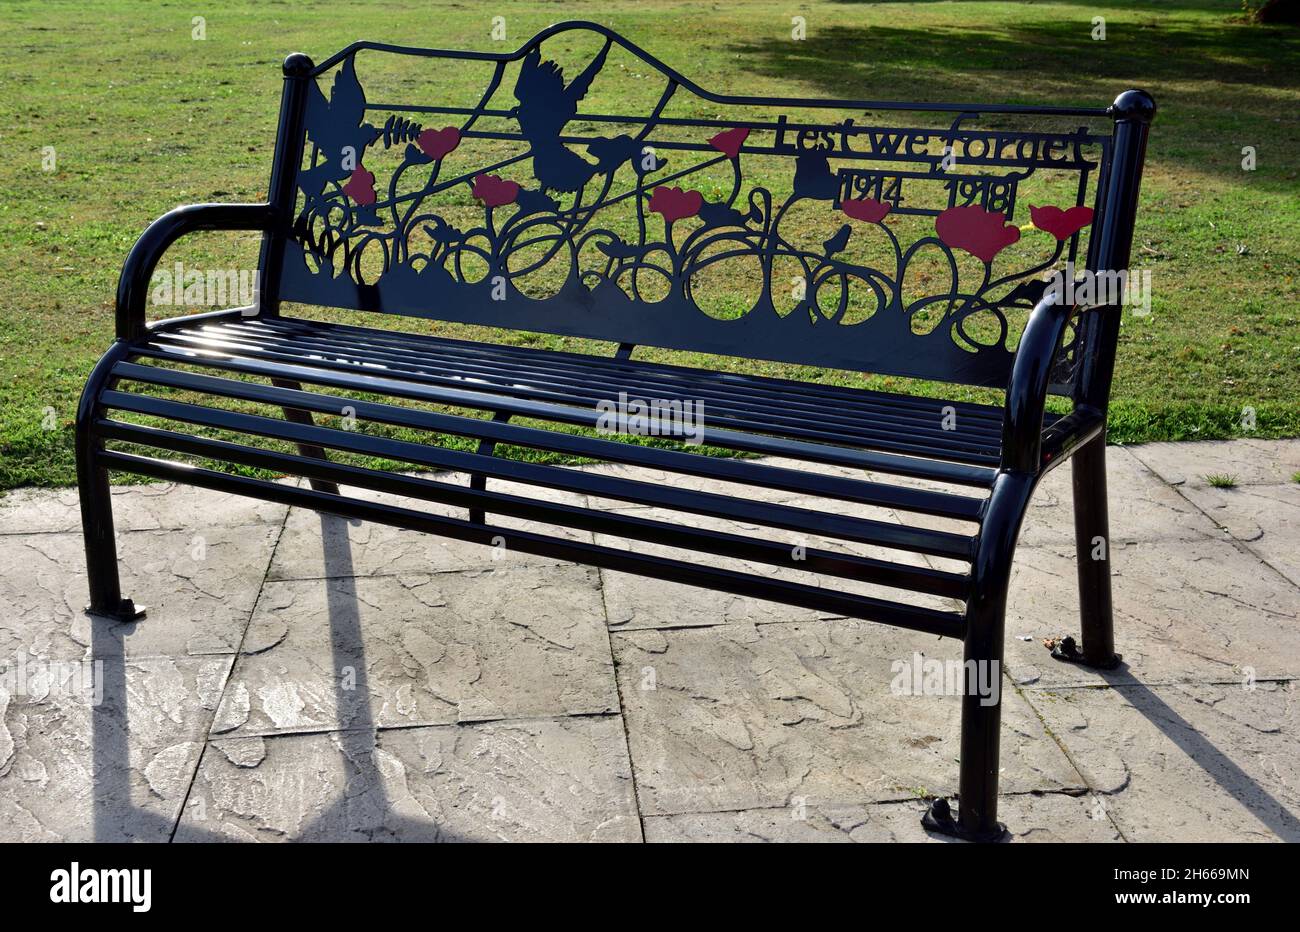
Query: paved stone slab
x,y
74,770
313,545
421,650
1184,611
1142,506
747,720
1264,517
637,602
546,780
1029,818
1192,763
1265,462
742,716
199,589
143,507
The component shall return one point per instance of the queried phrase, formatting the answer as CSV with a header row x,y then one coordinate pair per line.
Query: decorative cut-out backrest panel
x,y
580,187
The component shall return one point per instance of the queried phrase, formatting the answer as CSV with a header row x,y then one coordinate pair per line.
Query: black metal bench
x,y
509,210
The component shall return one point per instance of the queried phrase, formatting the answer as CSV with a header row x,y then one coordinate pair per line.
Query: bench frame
x,y
1030,445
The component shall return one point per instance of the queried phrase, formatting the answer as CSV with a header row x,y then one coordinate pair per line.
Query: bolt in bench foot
x,y
939,818
1067,650
123,610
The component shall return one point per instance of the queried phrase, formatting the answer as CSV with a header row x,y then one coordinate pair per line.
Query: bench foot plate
x,y
124,611
939,818
1066,650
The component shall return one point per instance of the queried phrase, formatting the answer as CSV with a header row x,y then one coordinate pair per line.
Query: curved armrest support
x,y
1022,423
133,286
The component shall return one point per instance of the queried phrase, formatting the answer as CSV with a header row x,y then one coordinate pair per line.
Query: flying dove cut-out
x,y
336,128
546,105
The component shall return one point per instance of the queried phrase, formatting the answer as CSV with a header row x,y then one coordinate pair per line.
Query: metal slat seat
x,y
431,387
869,421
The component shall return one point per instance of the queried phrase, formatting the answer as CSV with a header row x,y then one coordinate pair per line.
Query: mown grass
x,y
143,118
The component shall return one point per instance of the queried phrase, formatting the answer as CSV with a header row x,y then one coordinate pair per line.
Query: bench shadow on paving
x,y
392,686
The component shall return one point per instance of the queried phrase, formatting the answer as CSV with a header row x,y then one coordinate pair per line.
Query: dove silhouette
x,y
546,105
335,127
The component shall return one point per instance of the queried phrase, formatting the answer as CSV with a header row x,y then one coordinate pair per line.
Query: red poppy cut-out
x,y
438,143
494,191
360,187
675,204
980,232
1060,223
729,141
867,209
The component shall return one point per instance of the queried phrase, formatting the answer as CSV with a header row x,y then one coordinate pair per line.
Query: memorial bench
x,y
508,210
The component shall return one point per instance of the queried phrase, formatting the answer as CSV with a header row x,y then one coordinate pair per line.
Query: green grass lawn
x,y
143,118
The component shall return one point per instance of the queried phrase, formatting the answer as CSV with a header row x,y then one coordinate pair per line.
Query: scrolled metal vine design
x,y
347,211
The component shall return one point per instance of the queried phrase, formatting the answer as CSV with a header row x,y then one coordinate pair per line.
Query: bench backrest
x,y
863,235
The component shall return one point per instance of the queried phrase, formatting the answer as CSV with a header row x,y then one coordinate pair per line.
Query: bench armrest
x,y
1022,422
133,286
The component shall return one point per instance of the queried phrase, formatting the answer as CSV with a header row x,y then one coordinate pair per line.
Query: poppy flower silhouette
x,y
361,187
729,141
868,209
494,191
676,204
1060,223
975,230
438,143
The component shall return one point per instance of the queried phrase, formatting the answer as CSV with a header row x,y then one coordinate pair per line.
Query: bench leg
x,y
981,702
106,597
1092,547
311,450
981,727
101,545
477,480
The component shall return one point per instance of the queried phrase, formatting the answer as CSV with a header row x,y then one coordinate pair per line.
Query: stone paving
x,y
303,677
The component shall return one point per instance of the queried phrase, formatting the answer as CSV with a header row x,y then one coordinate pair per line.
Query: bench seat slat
x,y
882,440
860,530
849,398
923,501
814,560
898,614
355,380
980,434
594,385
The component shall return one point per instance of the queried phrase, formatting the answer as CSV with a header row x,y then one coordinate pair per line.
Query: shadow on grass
x,y
1154,6
1216,85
